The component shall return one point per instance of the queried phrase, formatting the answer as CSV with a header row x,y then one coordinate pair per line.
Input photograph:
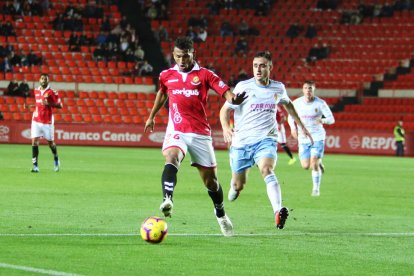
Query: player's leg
x,y
321,166
266,157
203,157
282,141
49,135
174,149
173,157
317,151
237,182
209,177
240,162
56,162
36,133
35,154
304,155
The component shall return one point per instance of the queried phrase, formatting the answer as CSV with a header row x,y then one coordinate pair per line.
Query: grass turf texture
x,y
362,224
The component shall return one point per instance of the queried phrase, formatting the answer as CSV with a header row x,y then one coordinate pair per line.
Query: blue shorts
x,y
246,157
307,150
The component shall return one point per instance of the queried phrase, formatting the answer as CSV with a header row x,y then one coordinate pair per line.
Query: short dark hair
x,y
309,82
184,43
265,54
44,74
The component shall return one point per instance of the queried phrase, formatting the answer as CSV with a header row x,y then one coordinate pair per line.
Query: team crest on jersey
x,y
195,81
316,110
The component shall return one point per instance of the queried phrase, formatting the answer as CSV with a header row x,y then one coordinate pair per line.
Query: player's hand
x,y
149,125
239,98
45,102
228,134
307,134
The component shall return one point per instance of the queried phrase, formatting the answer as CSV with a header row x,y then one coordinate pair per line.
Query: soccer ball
x,y
154,229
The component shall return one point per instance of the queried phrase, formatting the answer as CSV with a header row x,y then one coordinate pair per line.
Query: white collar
x,y
196,67
40,88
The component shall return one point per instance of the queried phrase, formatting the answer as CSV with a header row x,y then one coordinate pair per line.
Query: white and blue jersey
x,y
255,118
310,113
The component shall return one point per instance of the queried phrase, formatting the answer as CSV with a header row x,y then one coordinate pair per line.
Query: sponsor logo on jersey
x,y
173,80
263,106
186,92
195,81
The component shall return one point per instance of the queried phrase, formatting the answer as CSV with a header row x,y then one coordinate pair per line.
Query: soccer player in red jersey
x,y
42,120
186,85
281,133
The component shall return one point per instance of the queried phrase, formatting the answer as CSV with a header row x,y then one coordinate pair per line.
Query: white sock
x,y
273,192
316,178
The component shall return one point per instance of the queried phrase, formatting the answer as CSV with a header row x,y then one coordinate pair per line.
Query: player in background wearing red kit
x,y
186,85
43,122
281,133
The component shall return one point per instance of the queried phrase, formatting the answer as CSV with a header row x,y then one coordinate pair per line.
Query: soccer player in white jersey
x,y
254,136
311,109
43,122
186,85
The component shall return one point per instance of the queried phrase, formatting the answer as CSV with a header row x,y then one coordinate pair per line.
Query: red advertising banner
x,y
337,140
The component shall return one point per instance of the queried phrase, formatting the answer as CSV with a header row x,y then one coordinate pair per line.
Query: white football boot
x,y
226,226
233,194
167,206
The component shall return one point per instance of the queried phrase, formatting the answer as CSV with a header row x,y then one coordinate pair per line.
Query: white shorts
x,y
281,134
307,150
199,146
46,131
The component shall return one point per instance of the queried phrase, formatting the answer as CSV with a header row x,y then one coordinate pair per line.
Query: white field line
x,y
395,234
36,270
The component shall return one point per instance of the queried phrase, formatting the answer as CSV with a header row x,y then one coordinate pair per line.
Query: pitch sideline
x,y
36,270
395,234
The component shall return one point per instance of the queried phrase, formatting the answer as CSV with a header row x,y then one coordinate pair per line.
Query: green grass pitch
x,y
85,219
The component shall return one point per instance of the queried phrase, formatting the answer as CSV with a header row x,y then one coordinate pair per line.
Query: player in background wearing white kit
x,y
311,109
254,136
186,85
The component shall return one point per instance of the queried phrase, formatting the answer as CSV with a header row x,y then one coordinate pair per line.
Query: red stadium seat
x,y
97,118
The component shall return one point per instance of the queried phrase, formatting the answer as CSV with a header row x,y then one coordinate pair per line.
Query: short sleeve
x,y
283,97
162,80
216,83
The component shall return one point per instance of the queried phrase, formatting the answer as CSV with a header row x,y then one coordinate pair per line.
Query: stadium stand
x,y
360,55
36,33
85,107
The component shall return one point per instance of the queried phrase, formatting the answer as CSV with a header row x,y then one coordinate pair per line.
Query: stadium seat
x,y
78,118
97,118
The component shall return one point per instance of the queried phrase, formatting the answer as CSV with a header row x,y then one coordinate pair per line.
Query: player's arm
x,y
158,103
327,113
235,99
55,105
225,123
293,115
28,106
